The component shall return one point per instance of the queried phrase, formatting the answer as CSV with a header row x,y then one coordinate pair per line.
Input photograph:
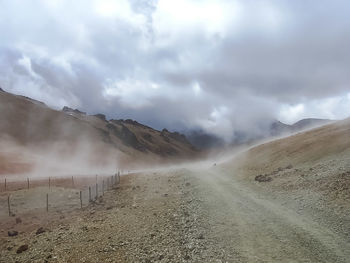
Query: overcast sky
x,y
219,65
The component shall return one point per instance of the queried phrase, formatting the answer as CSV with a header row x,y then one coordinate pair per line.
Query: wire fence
x,y
53,194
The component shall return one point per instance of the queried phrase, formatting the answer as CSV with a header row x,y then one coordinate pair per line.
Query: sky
x,y
221,66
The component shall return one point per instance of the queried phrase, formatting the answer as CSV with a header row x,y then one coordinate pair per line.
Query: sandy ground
x,y
192,214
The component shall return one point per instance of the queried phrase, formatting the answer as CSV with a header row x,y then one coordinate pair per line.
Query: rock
x,y
22,248
201,236
263,178
289,166
109,207
18,220
188,184
70,110
100,116
40,231
12,233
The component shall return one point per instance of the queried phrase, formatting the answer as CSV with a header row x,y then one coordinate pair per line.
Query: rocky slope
x,y
34,128
312,166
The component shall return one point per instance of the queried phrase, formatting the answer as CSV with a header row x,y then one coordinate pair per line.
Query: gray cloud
x,y
219,65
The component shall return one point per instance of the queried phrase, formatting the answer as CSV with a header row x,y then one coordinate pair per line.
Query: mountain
x,y
278,128
36,130
204,140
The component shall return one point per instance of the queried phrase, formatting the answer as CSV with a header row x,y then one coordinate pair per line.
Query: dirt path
x,y
250,227
182,215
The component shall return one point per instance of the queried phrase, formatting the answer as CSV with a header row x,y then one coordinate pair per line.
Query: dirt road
x,y
253,226
184,215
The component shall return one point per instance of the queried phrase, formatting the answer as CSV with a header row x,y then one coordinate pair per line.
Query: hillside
x,y
31,130
317,160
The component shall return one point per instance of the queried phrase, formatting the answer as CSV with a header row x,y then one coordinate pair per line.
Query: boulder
x,y
22,248
12,233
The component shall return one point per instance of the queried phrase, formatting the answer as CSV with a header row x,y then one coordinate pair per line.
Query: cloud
x,y
222,66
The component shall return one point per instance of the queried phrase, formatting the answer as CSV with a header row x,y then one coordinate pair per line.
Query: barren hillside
x,y
30,127
313,166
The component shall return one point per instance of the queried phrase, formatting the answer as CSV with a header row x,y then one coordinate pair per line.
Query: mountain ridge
x,y
31,124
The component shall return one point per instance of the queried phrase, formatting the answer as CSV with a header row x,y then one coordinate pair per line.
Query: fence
x,y
59,194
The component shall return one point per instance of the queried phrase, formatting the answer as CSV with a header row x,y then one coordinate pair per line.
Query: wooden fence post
x,y
81,200
96,191
47,202
5,185
28,182
89,193
103,187
72,181
49,182
8,204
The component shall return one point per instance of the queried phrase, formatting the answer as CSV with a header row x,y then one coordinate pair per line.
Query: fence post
x,y
28,182
107,183
47,202
96,191
103,187
8,204
81,200
72,181
5,185
49,182
89,193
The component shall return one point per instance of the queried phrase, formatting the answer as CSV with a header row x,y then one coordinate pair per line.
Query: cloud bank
x,y
221,66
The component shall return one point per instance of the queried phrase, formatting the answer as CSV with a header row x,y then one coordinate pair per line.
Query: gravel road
x,y
254,226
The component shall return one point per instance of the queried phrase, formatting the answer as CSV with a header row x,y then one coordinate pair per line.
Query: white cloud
x,y
328,108
172,18
221,65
